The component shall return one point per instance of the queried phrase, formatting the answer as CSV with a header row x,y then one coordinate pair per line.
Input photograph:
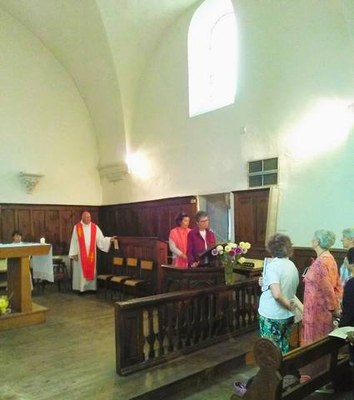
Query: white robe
x,y
103,243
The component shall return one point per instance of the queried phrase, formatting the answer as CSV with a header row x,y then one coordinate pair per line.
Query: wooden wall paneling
x,y
143,217
131,222
24,224
164,222
38,225
8,224
115,223
94,215
54,222
107,219
66,224
52,233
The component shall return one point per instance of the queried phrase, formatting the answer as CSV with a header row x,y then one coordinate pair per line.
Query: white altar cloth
x,y
42,266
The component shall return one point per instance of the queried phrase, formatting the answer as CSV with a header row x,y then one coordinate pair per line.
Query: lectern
x,y
24,312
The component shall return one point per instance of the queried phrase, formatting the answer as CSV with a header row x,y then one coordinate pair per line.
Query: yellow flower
x,y
245,245
241,260
4,303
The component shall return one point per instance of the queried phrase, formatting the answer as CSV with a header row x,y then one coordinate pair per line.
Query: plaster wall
x,y
45,127
295,76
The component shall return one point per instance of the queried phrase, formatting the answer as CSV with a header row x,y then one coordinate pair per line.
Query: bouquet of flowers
x,y
230,255
4,305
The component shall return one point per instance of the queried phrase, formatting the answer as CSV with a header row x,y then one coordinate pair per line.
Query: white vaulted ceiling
x,y
104,46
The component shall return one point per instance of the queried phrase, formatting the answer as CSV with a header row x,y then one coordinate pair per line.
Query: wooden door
x,y
251,210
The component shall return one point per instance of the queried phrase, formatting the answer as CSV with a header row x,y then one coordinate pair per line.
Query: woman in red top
x,y
178,240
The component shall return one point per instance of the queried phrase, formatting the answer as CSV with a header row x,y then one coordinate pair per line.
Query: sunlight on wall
x,y
323,129
139,165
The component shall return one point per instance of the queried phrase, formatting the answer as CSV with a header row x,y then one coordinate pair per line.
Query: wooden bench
x,y
267,384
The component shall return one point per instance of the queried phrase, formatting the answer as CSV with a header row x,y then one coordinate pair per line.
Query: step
x,y
191,370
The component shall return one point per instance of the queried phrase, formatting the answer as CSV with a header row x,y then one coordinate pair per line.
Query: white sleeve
x,y
103,243
74,251
174,249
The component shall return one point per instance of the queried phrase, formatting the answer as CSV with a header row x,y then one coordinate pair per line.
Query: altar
x,y
24,312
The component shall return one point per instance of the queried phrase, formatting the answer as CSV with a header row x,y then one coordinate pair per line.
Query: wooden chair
x,y
61,275
116,280
142,284
103,279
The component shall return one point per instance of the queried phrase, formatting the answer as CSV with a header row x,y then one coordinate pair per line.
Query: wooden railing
x,y
155,329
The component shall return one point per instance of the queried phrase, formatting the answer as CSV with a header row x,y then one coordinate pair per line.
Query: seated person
x,y
200,239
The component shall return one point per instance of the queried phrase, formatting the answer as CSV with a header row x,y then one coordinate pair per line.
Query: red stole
x,y
88,261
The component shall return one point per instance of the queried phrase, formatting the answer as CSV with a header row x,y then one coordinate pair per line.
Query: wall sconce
x,y
30,181
114,172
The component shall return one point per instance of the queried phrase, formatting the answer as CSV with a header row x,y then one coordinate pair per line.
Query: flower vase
x,y
228,270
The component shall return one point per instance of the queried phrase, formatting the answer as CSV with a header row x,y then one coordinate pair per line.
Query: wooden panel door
x,y
251,210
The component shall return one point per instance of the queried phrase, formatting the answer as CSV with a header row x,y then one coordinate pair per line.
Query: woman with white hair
x,y
348,243
322,297
323,290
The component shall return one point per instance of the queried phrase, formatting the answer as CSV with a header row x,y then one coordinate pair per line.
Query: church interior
x,y
135,110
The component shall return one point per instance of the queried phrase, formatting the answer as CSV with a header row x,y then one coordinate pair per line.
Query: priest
x,y
86,236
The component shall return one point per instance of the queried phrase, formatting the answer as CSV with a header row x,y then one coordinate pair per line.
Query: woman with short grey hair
x,y
348,243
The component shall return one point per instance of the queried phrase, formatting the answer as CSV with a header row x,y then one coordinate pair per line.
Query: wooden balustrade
x,y
155,329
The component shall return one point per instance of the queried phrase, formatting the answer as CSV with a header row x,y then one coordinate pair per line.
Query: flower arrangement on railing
x,y
230,255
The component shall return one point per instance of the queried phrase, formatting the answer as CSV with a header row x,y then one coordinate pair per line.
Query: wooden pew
x,y
273,366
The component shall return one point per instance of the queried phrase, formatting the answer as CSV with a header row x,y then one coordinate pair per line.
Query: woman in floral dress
x,y
323,290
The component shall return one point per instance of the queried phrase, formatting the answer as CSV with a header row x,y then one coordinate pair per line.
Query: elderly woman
x,y
279,284
323,290
200,239
178,240
348,243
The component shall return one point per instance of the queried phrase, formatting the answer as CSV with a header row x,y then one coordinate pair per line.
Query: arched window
x,y
212,57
